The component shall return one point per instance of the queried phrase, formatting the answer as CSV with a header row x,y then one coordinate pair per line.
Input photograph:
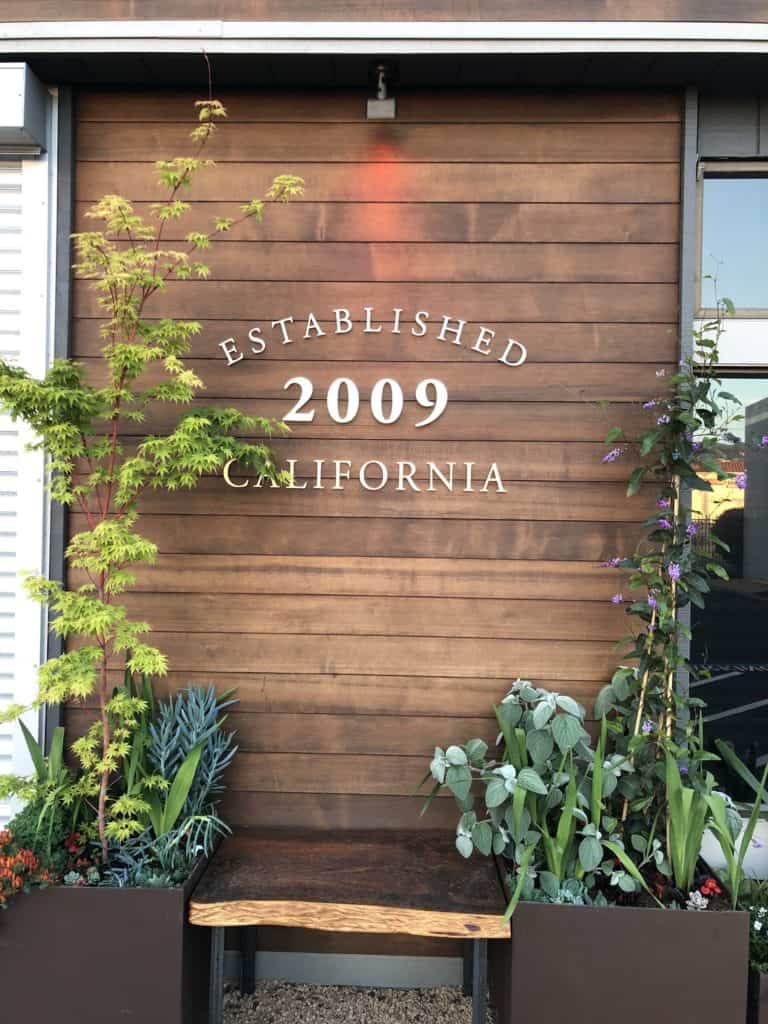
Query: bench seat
x,y
383,882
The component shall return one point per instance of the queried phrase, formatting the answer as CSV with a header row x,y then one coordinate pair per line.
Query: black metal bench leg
x,y
469,954
247,960
216,995
479,980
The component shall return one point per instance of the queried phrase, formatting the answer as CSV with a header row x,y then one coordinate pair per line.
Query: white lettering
x,y
396,324
319,474
257,344
227,478
293,486
468,476
287,339
511,344
384,475
433,471
338,463
402,476
484,339
369,329
421,319
229,347
495,475
455,331
313,325
346,319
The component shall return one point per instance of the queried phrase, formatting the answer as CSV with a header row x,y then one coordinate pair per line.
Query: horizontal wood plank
x,y
375,182
383,576
381,142
431,222
321,615
547,343
499,106
382,695
420,538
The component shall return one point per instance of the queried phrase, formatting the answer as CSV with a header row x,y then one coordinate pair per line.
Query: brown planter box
x,y
103,956
621,964
758,998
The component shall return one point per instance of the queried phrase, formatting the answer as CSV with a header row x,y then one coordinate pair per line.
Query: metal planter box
x,y
621,964
103,956
758,998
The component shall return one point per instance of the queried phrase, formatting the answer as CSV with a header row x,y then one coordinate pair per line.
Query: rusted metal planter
x,y
758,998
621,964
103,956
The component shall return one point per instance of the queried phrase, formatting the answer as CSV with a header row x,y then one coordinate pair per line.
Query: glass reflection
x,y
734,242
730,636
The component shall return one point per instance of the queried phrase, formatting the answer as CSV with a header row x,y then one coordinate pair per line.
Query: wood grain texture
x,y
309,221
397,10
408,182
390,143
498,106
361,629
359,882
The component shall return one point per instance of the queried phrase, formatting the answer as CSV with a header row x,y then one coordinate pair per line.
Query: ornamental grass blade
x,y
56,755
630,867
735,763
180,788
525,860
36,753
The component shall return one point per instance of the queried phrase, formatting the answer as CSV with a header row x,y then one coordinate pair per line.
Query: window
x,y
729,650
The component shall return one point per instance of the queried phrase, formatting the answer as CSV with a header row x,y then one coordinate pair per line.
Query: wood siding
x,y
393,10
360,628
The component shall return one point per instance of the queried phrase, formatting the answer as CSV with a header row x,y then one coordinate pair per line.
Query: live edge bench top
x,y
412,883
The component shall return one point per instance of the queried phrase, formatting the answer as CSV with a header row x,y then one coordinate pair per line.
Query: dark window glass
x,y
730,636
734,241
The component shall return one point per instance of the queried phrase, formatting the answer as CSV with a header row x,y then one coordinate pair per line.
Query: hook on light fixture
x,y
382,107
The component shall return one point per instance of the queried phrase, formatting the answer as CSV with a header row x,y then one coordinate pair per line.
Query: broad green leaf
x,y
459,781
482,837
464,845
590,853
567,732
528,778
180,787
456,756
540,745
496,793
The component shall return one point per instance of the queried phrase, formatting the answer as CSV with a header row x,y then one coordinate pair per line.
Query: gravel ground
x,y
276,1002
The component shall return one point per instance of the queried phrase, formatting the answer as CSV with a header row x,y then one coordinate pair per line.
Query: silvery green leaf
x,y
482,837
590,829
560,778
438,766
604,701
567,732
637,842
530,779
456,756
506,771
627,883
476,750
590,853
496,793
467,822
554,799
609,784
542,714
540,745
459,781
529,693
499,843
609,824
496,815
569,705
464,845
580,815
550,884
531,838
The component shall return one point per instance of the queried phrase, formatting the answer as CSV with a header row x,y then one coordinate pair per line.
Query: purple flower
x,y
665,524
652,602
683,769
741,481
650,405
674,570
764,441
697,446
756,844
617,599
692,529
664,503
612,455
663,420
647,726
612,563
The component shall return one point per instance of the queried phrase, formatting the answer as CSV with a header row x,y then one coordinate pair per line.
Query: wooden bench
x,y
411,883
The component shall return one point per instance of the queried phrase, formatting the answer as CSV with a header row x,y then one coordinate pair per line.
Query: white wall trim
x,y
216,36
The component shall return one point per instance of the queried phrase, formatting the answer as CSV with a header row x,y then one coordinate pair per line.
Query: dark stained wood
x,y
379,616
522,420
432,222
482,263
396,10
205,654
552,343
394,577
554,302
366,882
305,940
389,143
229,534
375,182
524,500
497,106
484,380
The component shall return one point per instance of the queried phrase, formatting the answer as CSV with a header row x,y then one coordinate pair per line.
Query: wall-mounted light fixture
x,y
383,107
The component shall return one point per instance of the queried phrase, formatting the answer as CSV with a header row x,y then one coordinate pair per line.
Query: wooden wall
x,y
393,10
363,628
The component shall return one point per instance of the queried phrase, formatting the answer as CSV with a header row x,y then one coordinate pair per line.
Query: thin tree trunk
x,y
105,741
